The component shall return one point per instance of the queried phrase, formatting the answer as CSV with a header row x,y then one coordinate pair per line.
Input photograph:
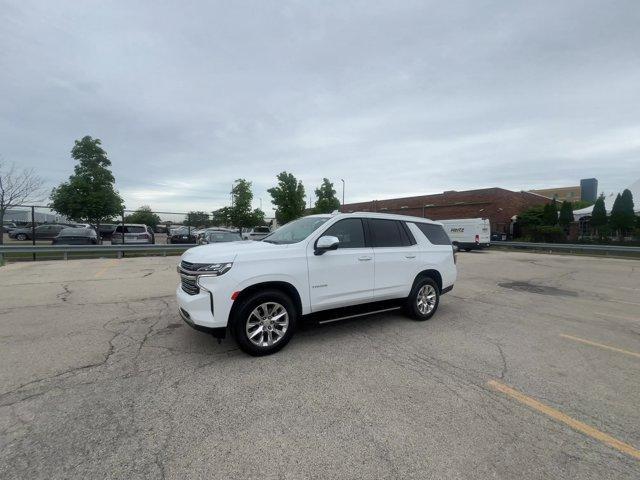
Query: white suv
x,y
321,267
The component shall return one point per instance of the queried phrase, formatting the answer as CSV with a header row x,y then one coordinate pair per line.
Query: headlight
x,y
214,268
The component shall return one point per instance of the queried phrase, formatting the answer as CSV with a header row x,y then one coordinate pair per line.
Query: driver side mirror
x,y
326,243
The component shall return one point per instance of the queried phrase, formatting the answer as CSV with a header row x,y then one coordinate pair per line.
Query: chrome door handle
x,y
410,256
364,258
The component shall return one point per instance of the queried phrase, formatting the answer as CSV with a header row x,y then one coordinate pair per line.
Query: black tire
x,y
244,313
467,249
22,237
412,307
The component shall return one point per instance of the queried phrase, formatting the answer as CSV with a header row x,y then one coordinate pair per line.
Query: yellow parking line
x,y
600,345
566,419
101,272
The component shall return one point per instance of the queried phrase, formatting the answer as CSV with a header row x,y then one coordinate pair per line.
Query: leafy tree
x,y
17,188
622,215
566,214
240,213
628,215
221,217
197,219
599,216
616,218
326,200
288,198
532,217
550,214
89,195
145,216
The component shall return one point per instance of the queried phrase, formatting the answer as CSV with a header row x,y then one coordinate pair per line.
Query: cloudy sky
x,y
398,97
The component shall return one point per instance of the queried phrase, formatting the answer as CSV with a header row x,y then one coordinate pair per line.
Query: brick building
x,y
497,204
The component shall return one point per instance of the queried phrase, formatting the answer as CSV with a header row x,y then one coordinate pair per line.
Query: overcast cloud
x,y
398,98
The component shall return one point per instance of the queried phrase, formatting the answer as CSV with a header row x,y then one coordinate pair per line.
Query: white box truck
x,y
468,233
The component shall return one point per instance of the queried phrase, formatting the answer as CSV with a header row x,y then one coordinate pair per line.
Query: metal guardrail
x,y
571,247
65,250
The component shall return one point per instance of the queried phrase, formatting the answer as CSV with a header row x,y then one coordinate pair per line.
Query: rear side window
x,y
435,233
131,229
387,233
349,232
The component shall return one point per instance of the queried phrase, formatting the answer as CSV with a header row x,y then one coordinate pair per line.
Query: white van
x,y
468,233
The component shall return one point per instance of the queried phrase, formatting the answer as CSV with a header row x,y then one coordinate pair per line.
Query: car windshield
x,y
69,232
261,230
215,237
296,231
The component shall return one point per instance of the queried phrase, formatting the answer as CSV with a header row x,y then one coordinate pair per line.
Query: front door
x,y
345,276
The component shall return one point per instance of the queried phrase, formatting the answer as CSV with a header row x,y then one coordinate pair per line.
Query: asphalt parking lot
x,y
531,369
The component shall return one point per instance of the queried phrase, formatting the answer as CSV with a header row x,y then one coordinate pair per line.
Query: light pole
x,y
342,180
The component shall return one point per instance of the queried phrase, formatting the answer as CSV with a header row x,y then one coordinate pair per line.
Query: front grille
x,y
190,284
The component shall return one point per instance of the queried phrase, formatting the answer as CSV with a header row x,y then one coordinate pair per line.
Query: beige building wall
x,y
570,194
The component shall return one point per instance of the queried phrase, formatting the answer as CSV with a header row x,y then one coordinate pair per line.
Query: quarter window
x,y
435,233
349,231
387,233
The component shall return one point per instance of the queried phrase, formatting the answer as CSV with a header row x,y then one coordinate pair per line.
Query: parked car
x,y
183,236
133,233
76,236
8,226
257,233
468,233
107,230
321,267
43,232
219,236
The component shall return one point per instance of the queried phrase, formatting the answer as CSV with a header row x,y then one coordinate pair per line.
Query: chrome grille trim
x,y
189,284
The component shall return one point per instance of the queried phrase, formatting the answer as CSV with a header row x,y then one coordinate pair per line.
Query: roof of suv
x,y
388,216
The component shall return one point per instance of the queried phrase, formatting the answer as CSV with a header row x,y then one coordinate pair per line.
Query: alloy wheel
x,y
267,324
426,299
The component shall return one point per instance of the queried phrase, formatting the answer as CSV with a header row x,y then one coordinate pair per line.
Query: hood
x,y
225,251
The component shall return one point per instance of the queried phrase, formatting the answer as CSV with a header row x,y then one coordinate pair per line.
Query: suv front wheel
x,y
264,322
423,300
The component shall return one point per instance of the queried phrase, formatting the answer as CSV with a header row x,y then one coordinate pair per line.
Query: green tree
x,y
197,219
622,216
326,200
599,216
550,214
145,216
89,195
566,214
288,198
616,218
532,217
628,214
221,217
240,213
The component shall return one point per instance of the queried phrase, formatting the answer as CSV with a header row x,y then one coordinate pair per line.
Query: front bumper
x,y
218,332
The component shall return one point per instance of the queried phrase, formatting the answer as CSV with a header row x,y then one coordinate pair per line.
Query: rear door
x,y
45,231
345,276
395,258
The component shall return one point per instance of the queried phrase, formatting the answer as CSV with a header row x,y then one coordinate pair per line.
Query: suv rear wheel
x,y
424,299
264,322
